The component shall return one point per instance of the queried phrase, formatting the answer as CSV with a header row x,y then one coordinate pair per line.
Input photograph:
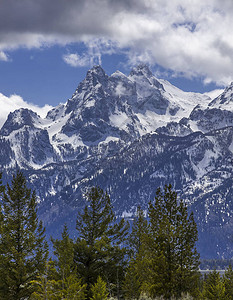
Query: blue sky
x,y
42,76
46,47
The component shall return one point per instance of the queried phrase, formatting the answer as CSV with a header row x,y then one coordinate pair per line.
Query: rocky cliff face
x,y
130,135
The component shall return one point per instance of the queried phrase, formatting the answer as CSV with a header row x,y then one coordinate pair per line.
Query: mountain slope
x,y
130,135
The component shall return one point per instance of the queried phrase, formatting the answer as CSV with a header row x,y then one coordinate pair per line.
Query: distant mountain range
x,y
129,135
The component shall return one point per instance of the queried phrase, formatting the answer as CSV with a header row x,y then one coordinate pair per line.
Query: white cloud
x,y
193,36
10,104
3,56
76,60
120,90
95,49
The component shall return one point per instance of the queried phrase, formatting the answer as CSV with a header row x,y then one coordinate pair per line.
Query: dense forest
x,y
154,257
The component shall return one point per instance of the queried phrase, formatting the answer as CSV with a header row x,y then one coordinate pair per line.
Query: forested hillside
x,y
154,257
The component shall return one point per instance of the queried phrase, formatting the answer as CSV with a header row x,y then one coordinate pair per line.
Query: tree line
x,y
154,257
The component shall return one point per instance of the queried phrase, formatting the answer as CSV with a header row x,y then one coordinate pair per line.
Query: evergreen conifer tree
x,y
64,251
214,287
23,249
99,290
138,233
134,278
173,259
65,281
137,269
228,282
46,286
99,249
187,277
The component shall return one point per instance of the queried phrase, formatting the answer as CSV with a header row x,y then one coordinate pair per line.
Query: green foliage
x,y
214,287
99,249
162,257
99,290
64,251
139,231
132,283
61,281
72,289
137,269
45,290
228,282
173,258
47,286
23,250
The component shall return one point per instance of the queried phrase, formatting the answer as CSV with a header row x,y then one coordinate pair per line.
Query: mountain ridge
x,y
130,135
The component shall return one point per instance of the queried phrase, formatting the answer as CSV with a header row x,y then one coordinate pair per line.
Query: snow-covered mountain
x,y
129,134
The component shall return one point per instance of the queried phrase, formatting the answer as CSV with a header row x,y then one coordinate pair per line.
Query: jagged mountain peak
x,y
136,104
141,69
95,81
224,100
142,75
97,70
118,74
18,119
96,75
95,78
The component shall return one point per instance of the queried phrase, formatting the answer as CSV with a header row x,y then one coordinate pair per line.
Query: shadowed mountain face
x,y
129,135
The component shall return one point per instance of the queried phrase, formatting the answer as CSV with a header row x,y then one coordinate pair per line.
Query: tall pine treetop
x,y
172,242
99,249
23,249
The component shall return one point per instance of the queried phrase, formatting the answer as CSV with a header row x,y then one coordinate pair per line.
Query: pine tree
x,y
137,269
46,286
23,249
138,233
73,289
99,290
99,249
228,282
64,251
173,259
65,282
187,277
134,278
214,287
49,286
